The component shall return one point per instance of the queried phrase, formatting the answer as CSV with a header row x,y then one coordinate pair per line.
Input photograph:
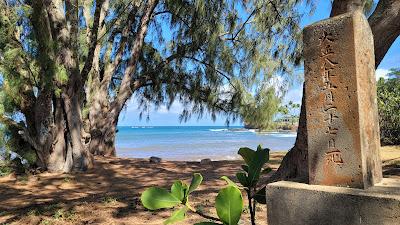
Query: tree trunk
x,y
57,156
294,165
102,134
103,115
344,6
72,94
385,28
82,159
102,125
51,140
53,125
103,142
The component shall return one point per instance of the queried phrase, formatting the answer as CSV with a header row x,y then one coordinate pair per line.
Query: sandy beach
x,y
109,193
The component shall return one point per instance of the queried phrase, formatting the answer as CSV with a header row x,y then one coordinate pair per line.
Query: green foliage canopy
x,y
212,56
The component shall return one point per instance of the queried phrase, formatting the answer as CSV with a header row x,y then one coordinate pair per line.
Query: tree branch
x,y
22,130
210,66
111,68
385,26
114,21
125,91
93,39
345,6
384,22
244,24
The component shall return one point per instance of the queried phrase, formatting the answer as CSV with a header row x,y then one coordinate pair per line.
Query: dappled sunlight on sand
x,y
109,193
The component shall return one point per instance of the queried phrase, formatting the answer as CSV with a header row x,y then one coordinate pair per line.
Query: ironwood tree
x,y
69,67
384,22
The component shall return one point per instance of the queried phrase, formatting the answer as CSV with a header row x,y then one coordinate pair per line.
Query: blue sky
x,y
165,117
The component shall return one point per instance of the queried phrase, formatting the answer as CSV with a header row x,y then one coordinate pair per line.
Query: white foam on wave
x,y
286,135
279,134
243,131
235,130
218,130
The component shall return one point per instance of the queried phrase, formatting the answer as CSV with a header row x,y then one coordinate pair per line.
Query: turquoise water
x,y
195,143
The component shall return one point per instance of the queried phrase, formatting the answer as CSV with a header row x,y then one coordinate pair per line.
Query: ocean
x,y
183,143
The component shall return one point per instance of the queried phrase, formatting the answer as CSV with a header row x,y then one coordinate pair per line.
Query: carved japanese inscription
x,y
342,124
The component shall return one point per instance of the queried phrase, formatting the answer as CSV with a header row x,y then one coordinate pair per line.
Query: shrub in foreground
x,y
229,201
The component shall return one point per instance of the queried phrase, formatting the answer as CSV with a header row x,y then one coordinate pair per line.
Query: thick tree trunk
x,y
385,28
101,123
53,125
103,141
72,93
343,6
49,139
82,158
57,156
102,129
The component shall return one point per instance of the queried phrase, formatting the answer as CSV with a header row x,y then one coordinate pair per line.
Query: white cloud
x,y
382,73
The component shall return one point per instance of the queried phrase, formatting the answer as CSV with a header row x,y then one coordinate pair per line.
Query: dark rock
x,y
154,159
205,161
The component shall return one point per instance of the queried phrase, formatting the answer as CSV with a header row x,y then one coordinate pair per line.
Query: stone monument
x,y
341,107
345,172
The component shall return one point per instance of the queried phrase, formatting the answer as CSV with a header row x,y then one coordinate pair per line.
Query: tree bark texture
x,y
54,125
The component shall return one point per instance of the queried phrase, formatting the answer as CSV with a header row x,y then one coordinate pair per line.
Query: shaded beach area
x,y
109,193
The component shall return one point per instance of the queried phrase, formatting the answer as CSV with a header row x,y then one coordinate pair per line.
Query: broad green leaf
x,y
245,168
177,216
260,158
229,205
177,190
242,177
158,198
229,181
260,196
196,181
247,154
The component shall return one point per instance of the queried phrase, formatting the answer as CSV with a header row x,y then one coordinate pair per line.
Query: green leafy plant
x,y
388,93
229,201
5,170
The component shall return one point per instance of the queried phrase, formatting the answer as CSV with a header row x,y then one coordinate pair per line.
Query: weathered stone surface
x,y
341,108
290,203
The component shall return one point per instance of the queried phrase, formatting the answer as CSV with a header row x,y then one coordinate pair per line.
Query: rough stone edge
x,y
381,190
329,20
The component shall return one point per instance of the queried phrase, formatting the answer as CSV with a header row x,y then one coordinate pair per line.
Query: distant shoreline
x,y
197,142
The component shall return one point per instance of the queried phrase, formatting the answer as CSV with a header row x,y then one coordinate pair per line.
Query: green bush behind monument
x,y
389,108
